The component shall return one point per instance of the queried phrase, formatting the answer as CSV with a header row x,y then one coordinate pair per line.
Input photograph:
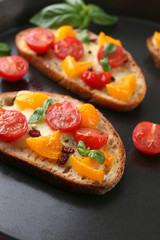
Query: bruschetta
x,y
94,67
153,44
61,140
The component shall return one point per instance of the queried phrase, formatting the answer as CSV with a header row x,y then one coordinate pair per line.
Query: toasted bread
x,y
154,50
50,65
18,154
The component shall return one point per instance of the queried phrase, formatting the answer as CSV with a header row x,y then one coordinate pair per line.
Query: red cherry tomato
x,y
63,116
13,124
13,68
68,46
115,59
92,137
146,137
40,40
96,80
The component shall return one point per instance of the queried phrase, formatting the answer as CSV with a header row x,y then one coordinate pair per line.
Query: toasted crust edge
x,y
155,52
54,179
85,93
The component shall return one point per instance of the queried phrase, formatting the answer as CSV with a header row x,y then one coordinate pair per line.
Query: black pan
x,y
33,210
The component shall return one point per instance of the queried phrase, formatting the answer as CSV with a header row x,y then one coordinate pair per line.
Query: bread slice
x,y
50,65
154,50
19,155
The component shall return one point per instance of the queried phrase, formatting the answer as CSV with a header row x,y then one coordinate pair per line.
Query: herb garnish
x,y
4,49
72,12
95,154
84,37
40,111
105,64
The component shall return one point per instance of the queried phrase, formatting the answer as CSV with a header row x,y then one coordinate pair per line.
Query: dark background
x,y
31,209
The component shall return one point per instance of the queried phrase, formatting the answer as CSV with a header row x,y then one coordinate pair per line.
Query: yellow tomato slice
x,y
64,31
47,146
73,68
103,39
85,170
90,117
108,159
30,99
156,37
123,89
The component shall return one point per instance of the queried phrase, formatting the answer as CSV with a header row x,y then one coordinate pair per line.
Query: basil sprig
x,y
4,49
105,64
109,48
95,154
40,111
84,37
72,12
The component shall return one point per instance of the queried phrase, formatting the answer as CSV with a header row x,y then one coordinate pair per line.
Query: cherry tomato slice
x,y
115,59
13,124
92,137
40,40
63,116
146,137
68,46
13,68
96,80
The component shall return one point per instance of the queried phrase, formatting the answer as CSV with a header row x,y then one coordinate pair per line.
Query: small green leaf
x,y
37,114
4,49
81,145
99,16
109,48
47,103
105,64
97,155
84,37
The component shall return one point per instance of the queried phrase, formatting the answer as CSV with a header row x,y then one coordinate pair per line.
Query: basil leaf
x,y
109,48
84,37
47,103
81,145
99,16
71,12
4,49
105,64
97,155
37,114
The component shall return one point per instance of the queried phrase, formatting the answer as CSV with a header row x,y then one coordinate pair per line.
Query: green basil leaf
x,y
47,103
4,49
99,16
97,155
105,64
109,48
56,15
82,151
37,114
84,37
81,145
75,2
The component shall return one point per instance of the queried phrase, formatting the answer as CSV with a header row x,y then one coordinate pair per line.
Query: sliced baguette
x,y
50,65
19,155
154,50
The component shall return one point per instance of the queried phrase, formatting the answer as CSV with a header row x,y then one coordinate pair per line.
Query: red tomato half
x,y
115,59
13,124
13,68
92,137
96,80
63,116
146,137
40,40
68,46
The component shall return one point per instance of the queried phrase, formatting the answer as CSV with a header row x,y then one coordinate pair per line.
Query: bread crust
x,y
155,51
18,158
98,97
